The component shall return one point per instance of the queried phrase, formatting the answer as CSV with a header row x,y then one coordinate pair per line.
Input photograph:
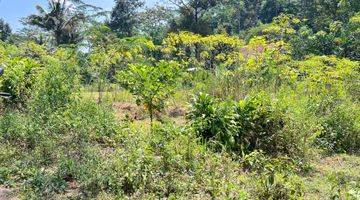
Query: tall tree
x,y
155,22
124,17
250,14
5,30
270,9
238,15
193,16
63,19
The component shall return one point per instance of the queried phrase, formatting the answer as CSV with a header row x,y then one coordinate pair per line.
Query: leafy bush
x,y
259,125
343,186
19,129
278,186
64,137
56,84
195,51
251,124
55,127
165,164
213,121
341,129
19,80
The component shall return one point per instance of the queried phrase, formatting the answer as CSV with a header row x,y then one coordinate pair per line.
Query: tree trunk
x,y
99,90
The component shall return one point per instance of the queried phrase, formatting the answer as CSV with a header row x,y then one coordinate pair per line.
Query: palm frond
x,y
82,5
40,9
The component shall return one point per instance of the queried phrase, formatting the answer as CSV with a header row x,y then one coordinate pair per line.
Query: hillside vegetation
x,y
270,111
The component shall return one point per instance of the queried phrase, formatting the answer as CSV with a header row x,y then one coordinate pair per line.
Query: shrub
x,y
343,186
250,124
19,80
212,120
341,129
259,125
61,146
19,129
86,119
278,186
56,84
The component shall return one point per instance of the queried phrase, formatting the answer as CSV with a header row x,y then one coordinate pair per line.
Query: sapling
x,y
151,85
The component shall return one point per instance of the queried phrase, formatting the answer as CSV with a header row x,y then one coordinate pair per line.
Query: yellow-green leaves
x,y
151,84
193,50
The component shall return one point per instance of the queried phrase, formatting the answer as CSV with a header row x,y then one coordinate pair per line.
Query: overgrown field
x,y
195,117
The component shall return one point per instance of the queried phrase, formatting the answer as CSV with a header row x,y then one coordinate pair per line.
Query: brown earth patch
x,y
7,194
176,112
134,112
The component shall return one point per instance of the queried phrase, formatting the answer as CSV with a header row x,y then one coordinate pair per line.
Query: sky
x,y
13,10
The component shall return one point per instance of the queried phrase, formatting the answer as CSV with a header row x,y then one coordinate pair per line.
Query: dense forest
x,y
186,99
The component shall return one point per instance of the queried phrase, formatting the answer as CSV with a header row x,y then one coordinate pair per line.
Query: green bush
x,y
212,120
343,186
19,80
341,129
165,164
151,85
19,129
251,124
259,125
56,84
278,186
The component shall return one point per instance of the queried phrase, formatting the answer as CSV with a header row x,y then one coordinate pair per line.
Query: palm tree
x,y
62,19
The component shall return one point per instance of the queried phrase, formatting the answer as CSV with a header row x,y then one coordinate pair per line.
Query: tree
x,y
249,16
102,54
151,85
63,19
5,30
32,33
352,37
109,54
124,17
270,9
234,16
193,16
154,22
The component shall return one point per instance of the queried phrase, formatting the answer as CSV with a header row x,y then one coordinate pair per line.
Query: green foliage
x,y
195,51
274,177
280,94
320,75
154,22
63,136
342,186
169,175
151,85
60,20
20,79
278,186
5,30
192,16
18,128
342,129
251,124
259,125
109,54
56,84
124,17
213,121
